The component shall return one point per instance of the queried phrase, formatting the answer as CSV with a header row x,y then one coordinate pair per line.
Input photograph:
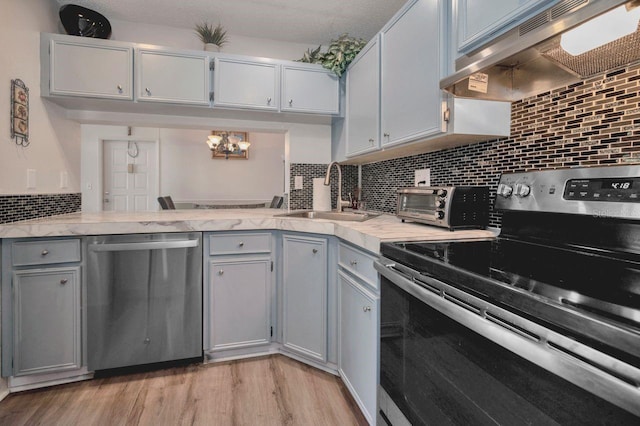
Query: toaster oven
x,y
453,207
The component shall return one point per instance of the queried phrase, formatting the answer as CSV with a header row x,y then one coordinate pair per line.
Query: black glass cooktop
x,y
602,283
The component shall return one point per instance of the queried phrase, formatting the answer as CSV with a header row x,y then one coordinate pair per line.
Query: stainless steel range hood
x,y
529,60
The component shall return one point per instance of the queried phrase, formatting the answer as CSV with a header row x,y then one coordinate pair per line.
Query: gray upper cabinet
x,y
79,66
304,293
172,76
480,21
46,321
245,83
411,61
363,101
309,89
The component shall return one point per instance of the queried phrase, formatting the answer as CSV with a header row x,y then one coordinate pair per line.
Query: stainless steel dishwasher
x,y
144,299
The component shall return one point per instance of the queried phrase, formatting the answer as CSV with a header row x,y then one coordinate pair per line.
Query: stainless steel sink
x,y
350,216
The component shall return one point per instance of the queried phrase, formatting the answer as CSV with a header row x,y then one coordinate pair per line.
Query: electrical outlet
x,y
422,177
297,182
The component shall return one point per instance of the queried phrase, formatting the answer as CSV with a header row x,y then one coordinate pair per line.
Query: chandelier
x,y
228,144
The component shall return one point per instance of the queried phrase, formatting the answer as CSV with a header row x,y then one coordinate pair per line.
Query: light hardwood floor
x,y
272,390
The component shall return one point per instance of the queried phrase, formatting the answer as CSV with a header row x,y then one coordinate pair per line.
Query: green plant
x,y
209,34
339,54
311,56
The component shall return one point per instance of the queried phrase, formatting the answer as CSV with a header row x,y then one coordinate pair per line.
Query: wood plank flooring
x,y
272,390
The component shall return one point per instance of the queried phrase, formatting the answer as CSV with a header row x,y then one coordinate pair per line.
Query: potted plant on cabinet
x,y
212,37
339,54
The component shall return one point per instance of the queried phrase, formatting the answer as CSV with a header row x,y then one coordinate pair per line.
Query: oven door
x,y
444,360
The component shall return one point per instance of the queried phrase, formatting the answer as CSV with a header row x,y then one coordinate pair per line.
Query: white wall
x,y
183,38
189,174
55,141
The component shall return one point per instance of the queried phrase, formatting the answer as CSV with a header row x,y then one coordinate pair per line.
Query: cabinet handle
x,y
147,341
220,272
386,135
314,251
371,141
119,88
64,281
290,102
148,91
268,101
45,252
241,244
366,308
353,262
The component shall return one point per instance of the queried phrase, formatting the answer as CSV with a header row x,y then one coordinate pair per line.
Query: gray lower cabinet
x,y
304,295
238,271
240,302
358,319
46,329
41,308
358,343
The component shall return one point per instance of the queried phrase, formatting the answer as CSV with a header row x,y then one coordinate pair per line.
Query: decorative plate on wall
x,y
80,21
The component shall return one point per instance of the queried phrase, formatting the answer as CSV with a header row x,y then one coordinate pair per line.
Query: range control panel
x,y
604,189
610,191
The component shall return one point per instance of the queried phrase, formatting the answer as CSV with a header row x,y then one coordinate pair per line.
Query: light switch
x,y
31,178
297,182
64,179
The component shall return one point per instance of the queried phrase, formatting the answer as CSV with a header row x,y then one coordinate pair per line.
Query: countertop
x,y
367,235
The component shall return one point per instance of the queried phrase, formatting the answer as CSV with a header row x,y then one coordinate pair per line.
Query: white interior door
x,y
130,176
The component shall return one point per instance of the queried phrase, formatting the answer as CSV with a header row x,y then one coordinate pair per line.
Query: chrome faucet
x,y
339,202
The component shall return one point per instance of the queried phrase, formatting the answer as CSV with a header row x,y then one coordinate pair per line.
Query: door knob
x,y
119,88
290,102
314,251
148,91
366,308
220,272
64,281
241,244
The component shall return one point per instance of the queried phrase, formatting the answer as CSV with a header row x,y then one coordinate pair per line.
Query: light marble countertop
x,y
367,235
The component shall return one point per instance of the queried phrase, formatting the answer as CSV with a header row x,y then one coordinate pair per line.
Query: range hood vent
x,y
529,59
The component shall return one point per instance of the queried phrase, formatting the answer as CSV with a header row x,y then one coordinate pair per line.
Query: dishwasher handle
x,y
145,245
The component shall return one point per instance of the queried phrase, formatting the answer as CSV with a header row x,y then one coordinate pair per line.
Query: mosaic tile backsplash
x,y
303,198
23,207
594,122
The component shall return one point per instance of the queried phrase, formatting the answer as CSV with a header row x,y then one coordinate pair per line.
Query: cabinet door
x,y
411,100
363,97
88,69
46,326
239,303
480,21
359,343
311,90
164,76
305,296
245,84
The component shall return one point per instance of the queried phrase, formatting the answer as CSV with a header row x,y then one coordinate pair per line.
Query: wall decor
x,y
20,112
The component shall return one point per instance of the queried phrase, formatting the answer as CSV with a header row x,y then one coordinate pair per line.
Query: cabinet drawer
x,y
239,243
43,252
358,263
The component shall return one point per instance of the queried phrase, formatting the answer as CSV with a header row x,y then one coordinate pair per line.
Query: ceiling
x,y
301,21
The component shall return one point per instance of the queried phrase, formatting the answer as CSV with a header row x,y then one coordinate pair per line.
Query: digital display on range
x,y
619,184
625,190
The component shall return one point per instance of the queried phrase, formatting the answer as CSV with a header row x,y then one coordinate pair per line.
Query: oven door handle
x,y
146,245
